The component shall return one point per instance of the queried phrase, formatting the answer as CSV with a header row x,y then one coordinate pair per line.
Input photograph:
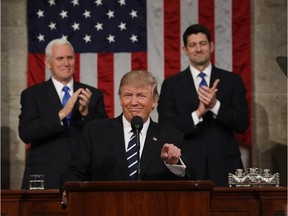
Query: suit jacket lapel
x,y
52,95
188,83
76,86
151,147
214,75
118,143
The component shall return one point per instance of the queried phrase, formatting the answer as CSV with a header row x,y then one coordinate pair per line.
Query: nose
x,y
134,100
66,61
198,47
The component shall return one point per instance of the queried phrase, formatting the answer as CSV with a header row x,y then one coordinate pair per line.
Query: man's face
x,y
137,101
61,63
198,49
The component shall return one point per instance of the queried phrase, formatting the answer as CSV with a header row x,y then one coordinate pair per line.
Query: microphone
x,y
137,125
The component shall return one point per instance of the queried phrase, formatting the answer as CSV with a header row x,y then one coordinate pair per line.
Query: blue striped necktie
x,y
64,101
132,157
203,81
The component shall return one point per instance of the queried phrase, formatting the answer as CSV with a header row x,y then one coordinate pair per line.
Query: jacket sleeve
x,y
37,120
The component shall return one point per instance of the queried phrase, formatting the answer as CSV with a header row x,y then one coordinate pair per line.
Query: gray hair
x,y
140,78
58,41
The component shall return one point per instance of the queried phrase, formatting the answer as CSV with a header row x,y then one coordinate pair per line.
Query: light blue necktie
x,y
132,157
64,101
203,81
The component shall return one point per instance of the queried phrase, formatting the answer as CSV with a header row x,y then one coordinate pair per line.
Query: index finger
x,y
215,84
76,93
86,92
165,147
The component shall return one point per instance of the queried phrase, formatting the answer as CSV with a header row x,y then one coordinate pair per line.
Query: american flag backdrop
x,y
112,37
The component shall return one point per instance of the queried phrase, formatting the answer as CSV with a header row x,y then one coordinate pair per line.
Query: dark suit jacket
x,y
51,142
210,145
101,154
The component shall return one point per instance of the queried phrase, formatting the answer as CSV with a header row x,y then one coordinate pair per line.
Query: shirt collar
x,y
195,71
127,126
59,86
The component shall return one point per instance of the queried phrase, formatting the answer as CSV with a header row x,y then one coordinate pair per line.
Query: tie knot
x,y
202,75
203,81
66,89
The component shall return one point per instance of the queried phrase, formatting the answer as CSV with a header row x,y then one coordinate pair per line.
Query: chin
x,y
135,114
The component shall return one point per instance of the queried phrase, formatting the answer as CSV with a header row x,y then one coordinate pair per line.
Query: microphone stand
x,y
138,148
137,125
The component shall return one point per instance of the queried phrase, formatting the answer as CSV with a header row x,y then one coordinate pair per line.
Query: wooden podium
x,y
139,198
179,198
31,203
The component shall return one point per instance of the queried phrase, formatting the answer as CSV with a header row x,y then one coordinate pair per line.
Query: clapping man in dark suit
x,y
49,126
208,115
101,154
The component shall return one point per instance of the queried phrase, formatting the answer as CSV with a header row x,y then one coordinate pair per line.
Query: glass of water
x,y
36,182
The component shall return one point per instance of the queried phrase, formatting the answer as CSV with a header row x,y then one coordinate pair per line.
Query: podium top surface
x,y
138,185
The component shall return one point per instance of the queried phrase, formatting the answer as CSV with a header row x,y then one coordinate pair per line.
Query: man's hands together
x,y
84,96
207,97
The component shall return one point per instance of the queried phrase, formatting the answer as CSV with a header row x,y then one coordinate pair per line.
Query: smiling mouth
x,y
200,54
66,70
134,110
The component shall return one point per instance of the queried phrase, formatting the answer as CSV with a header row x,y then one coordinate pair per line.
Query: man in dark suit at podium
x,y
208,105
50,126
102,151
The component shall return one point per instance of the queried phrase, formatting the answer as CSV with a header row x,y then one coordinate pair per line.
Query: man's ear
x,y
154,104
185,50
212,46
47,63
120,100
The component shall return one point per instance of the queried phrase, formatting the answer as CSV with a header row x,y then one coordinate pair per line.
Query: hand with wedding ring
x,y
84,98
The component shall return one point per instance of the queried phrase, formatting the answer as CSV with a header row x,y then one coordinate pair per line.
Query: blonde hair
x,y
140,78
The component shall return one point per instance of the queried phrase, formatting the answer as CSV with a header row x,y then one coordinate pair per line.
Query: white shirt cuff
x,y
216,108
178,169
195,118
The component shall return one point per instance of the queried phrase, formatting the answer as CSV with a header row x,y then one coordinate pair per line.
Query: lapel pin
x,y
155,139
